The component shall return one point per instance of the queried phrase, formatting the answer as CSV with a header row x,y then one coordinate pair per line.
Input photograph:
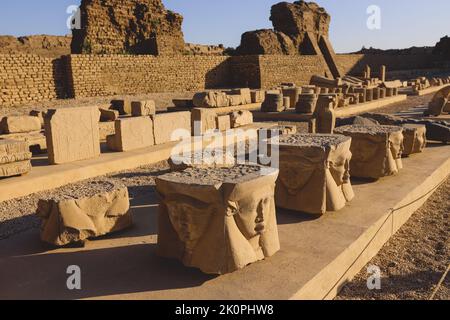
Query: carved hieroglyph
x,y
14,158
85,210
72,134
377,150
415,138
314,173
218,220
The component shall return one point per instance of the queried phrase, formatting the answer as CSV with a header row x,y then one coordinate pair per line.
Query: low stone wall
x,y
26,78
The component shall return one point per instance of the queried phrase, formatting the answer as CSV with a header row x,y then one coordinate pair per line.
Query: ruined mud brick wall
x,y
102,75
26,78
245,71
128,26
298,69
355,63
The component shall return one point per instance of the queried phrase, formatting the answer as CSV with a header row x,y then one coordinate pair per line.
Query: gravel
x,y
319,140
414,259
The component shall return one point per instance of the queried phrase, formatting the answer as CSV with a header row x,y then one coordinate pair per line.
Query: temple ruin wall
x,y
26,79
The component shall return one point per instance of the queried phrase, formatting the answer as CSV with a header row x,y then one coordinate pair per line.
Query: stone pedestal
x,y
273,103
314,173
377,150
218,220
85,210
415,138
306,103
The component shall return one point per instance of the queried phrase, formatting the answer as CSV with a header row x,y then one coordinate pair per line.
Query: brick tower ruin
x,y
128,26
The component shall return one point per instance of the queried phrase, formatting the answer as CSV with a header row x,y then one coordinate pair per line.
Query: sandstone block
x,y
203,120
72,134
82,211
167,127
132,133
245,93
19,124
415,138
314,173
273,102
108,115
143,108
377,150
223,123
218,220
211,99
241,118
257,96
15,169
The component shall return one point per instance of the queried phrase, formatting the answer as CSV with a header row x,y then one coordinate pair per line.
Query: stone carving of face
x,y
251,212
421,139
339,165
396,145
190,218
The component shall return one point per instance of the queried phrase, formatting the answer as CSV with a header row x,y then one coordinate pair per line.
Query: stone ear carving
x,y
233,208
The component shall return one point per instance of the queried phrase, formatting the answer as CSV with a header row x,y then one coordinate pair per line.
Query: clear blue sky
x,y
405,23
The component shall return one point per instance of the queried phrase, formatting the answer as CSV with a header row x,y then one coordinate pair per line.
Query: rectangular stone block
x,y
241,118
245,93
83,211
19,124
72,134
257,96
165,125
203,120
132,133
236,99
223,123
143,108
107,115
15,169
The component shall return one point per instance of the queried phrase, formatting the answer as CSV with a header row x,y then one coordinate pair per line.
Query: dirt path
x,y
415,259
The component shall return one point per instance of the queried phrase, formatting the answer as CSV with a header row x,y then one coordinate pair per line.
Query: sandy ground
x,y
415,259
162,100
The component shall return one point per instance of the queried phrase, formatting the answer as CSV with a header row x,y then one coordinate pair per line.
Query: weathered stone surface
x,y
123,106
106,129
325,115
132,133
314,173
293,93
223,123
205,159
39,114
241,118
257,96
166,126
128,26
211,99
245,93
235,99
183,103
143,108
377,150
72,134
203,120
266,42
84,211
15,169
415,138
108,115
306,103
218,220
19,124
437,104
273,102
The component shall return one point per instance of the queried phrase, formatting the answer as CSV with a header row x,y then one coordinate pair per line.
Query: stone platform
x,y
45,177
317,256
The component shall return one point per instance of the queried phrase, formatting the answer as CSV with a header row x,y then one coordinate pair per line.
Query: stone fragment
x,y
143,108
377,150
293,94
314,173
235,99
202,159
415,138
203,120
84,210
106,129
241,118
245,93
306,103
438,103
183,103
15,169
36,140
218,220
19,124
123,106
72,134
108,115
223,123
211,99
325,114
171,126
14,158
39,114
273,102
132,133
257,96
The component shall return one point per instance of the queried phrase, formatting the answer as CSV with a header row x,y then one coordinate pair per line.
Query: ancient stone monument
x,y
167,125
325,115
415,138
299,28
14,158
218,220
19,124
131,133
84,210
72,134
377,150
314,173
438,103
128,26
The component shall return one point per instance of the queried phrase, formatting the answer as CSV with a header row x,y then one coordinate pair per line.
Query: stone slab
x,y
36,140
165,125
131,134
72,134
19,124
15,168
317,257
225,110
369,106
143,108
427,91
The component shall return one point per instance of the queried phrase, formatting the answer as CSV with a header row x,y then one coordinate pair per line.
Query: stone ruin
x,y
128,26
299,28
